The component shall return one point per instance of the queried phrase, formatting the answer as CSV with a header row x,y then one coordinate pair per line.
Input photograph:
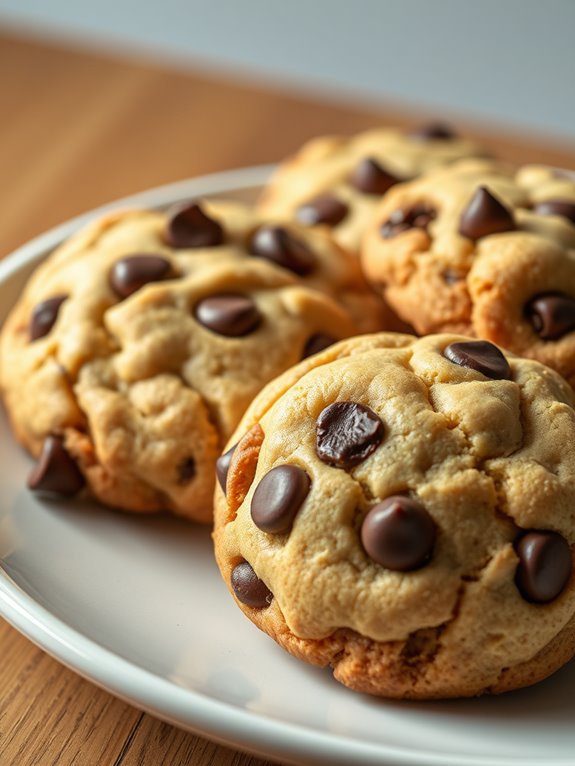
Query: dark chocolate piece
x,y
485,215
131,273
325,209
278,245
223,466
433,131
44,316
56,471
562,207
417,217
317,343
231,315
479,355
347,433
278,497
399,534
545,565
551,315
189,227
186,470
370,178
249,589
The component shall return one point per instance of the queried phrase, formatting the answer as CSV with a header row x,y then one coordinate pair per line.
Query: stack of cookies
x,y
400,508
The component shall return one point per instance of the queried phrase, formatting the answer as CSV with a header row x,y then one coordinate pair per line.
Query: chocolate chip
x,y
417,217
231,315
223,466
276,244
324,209
134,271
278,497
190,227
347,433
186,470
369,177
485,215
479,355
563,207
398,534
544,565
551,315
56,472
249,589
44,316
317,343
433,131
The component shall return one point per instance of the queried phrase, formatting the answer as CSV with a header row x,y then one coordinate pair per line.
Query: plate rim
x,y
183,707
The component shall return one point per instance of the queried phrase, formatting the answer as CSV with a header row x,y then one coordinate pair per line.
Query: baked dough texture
x,y
355,171
490,458
137,373
471,247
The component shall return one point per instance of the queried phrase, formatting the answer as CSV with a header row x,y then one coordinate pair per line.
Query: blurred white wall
x,y
508,61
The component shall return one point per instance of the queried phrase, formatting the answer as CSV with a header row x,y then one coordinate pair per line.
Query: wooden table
x,y
77,130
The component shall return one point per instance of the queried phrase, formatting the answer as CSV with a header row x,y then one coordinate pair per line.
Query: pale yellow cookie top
x,y
326,164
423,266
487,458
136,384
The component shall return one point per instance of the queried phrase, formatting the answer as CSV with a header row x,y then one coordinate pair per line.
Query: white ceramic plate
x,y
136,605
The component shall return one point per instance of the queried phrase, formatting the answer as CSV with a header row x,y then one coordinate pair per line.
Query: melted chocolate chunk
x,y
276,244
370,178
398,534
44,316
186,471
317,343
544,565
417,217
433,131
551,315
223,466
56,472
562,207
278,497
485,215
231,315
479,355
347,433
249,589
325,209
131,273
189,227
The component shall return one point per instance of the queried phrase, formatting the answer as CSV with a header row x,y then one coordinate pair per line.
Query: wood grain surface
x,y
77,130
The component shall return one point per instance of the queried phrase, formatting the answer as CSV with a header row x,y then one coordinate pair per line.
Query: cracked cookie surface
x,y
336,182
470,249
138,344
390,506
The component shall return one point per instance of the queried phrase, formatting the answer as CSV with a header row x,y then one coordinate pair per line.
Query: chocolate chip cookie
x,y
336,182
137,345
476,248
403,510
